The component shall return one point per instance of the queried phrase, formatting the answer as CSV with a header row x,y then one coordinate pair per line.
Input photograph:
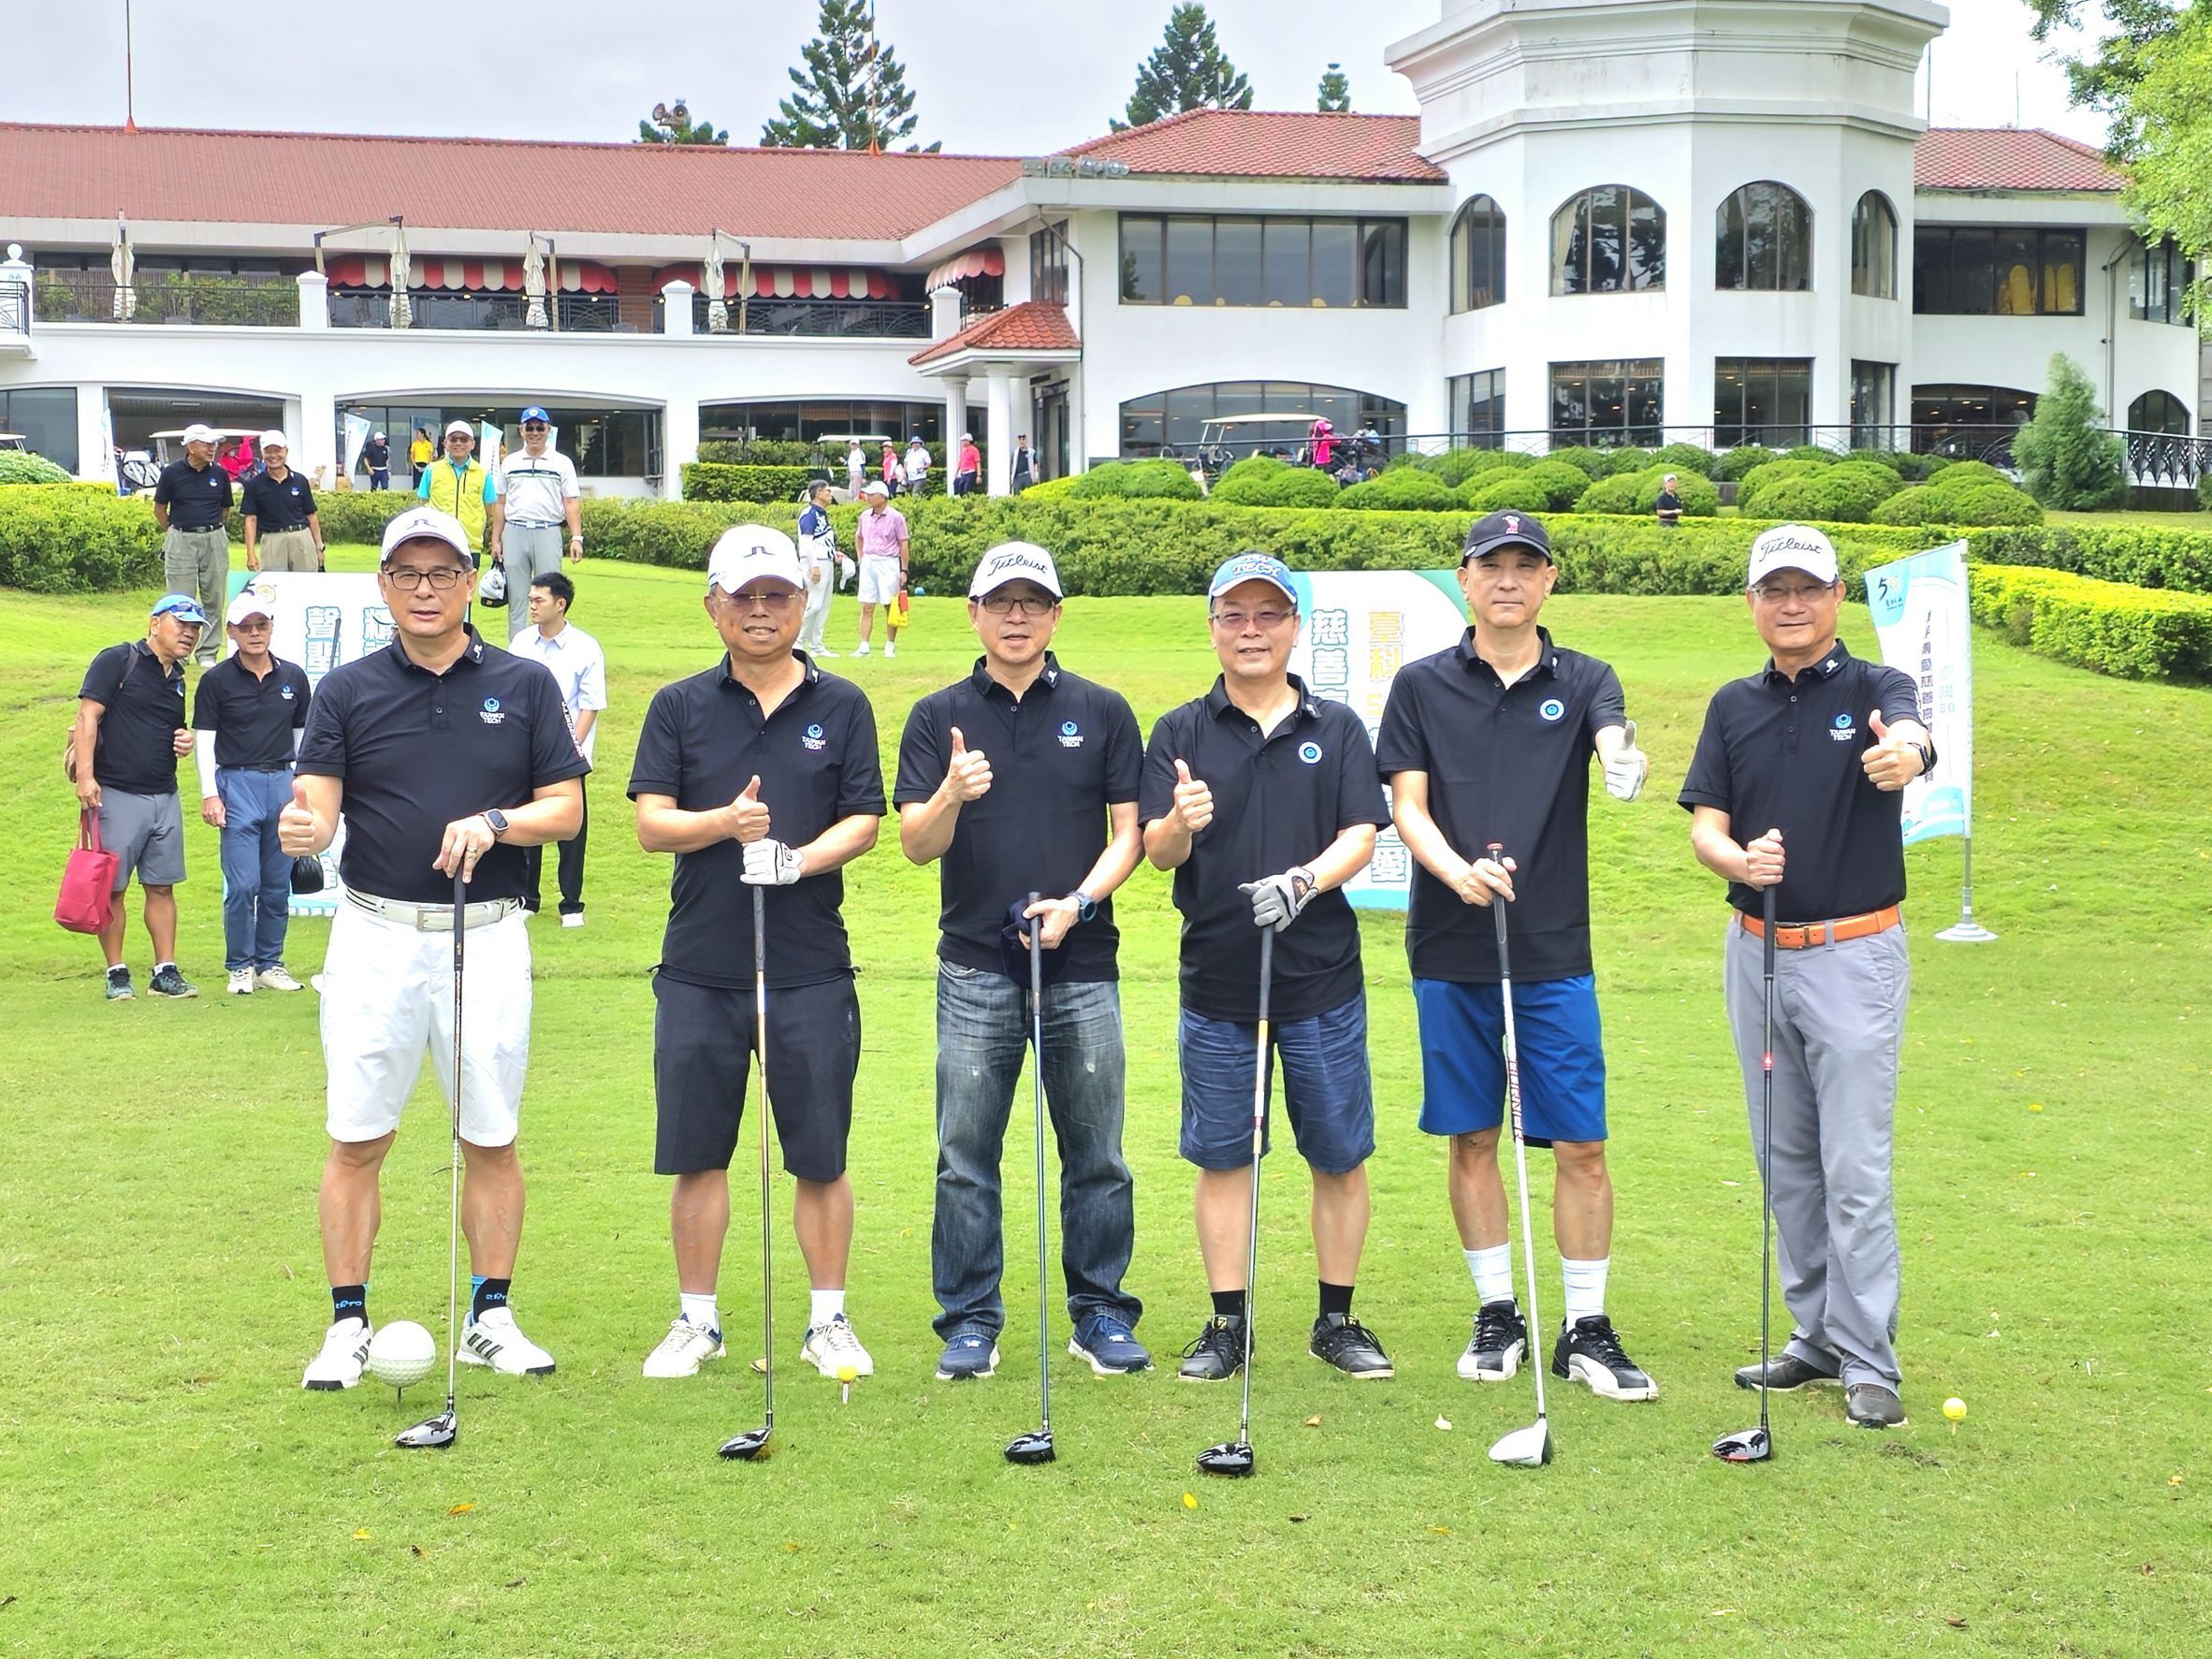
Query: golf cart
x,y
13,441
1227,439
140,469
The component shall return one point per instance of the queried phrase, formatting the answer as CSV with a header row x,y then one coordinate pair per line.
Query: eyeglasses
x,y
772,599
1267,621
409,580
1028,604
1791,592
533,426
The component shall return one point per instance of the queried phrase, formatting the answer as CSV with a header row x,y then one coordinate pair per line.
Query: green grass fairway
x,y
166,1486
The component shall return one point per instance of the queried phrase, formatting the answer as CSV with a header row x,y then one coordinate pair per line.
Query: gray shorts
x,y
146,833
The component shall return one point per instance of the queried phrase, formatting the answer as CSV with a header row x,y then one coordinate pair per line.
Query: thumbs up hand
x,y
1626,767
1194,799
748,815
1894,761
295,825
967,774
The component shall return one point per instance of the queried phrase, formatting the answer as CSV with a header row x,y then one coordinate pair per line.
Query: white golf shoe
x,y
276,978
684,1349
829,1348
495,1340
241,983
861,649
891,650
346,1349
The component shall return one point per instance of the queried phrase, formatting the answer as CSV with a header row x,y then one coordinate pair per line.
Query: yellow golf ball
x,y
1955,1408
847,1373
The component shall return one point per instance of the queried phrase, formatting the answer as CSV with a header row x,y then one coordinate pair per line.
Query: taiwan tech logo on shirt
x,y
1070,735
492,714
1845,730
1310,753
812,738
1553,709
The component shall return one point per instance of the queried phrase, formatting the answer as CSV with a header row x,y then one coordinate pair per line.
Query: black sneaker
x,y
168,981
1589,1351
1785,1372
1342,1341
1873,1405
1499,1344
1217,1354
118,984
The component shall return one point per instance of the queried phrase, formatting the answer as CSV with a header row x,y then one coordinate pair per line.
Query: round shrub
x,y
1051,488
1845,493
1774,469
1639,493
1979,496
1455,466
1557,486
1254,466
1139,480
1627,458
1616,494
1284,486
1596,462
1739,461
1810,452
1402,489
1912,468
1959,473
1686,458
1517,490
20,465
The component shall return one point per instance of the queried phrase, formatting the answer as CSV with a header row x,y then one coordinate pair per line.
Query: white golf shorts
x,y
879,578
387,995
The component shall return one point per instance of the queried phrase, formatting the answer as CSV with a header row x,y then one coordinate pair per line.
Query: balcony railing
x,y
441,307
860,319
15,308
265,302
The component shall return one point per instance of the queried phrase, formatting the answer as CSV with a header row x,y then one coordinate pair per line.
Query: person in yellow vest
x,y
464,487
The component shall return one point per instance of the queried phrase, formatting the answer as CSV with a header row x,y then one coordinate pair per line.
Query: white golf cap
x,y
1014,561
876,486
248,603
196,433
463,427
273,439
1792,546
753,553
428,524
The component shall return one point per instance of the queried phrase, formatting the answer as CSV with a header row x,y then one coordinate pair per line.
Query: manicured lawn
x,y
166,1488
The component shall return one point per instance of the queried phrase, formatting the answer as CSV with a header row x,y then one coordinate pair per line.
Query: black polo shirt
x,y
143,704
816,758
196,497
1062,754
252,717
378,456
1278,802
1783,753
1511,764
276,507
418,751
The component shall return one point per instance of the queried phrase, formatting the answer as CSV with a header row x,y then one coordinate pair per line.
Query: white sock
x,y
827,1305
1493,1272
700,1311
1585,1283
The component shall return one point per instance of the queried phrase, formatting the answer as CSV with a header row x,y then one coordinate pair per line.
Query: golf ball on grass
x,y
401,1354
1955,1408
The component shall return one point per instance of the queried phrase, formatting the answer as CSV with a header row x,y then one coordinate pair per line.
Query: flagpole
x,y
1966,931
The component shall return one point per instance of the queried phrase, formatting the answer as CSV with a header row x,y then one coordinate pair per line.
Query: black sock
x,y
349,1301
1335,1299
1228,1304
491,1293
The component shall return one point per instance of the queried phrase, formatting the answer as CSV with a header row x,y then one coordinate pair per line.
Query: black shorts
x,y
703,1053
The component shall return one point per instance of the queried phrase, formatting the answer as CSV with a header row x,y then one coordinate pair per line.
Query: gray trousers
x,y
198,561
1839,1016
822,577
528,551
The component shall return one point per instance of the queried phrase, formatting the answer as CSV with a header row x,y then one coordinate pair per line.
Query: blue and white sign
x,y
1920,617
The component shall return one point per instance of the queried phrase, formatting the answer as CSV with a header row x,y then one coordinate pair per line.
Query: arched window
x,y
1610,240
1873,247
2159,412
1477,255
1176,419
1763,240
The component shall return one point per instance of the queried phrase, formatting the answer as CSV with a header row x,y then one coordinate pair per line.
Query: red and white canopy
x,y
986,261
483,276
789,281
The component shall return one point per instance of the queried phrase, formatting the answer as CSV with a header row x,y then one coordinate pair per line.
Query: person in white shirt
x,y
579,669
916,468
856,470
824,565
538,486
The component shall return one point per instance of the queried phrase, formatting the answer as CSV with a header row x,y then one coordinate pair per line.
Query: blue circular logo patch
x,y
491,705
1551,708
814,731
1066,728
1842,723
1310,753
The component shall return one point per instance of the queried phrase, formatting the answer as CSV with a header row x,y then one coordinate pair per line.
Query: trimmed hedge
x,y
2133,633
1511,490
76,538
1455,466
713,481
1731,467
1401,488
1845,493
1261,481
1626,493
20,465
1964,493
1686,458
2157,559
1138,480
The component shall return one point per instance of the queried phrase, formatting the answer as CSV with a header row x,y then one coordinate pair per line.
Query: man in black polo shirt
x,y
1491,741
1264,800
444,758
284,532
1809,755
376,455
124,750
248,714
191,501
762,772
1023,779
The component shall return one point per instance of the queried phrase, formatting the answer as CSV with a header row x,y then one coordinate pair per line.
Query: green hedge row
x,y
2148,558
2136,633
76,538
712,481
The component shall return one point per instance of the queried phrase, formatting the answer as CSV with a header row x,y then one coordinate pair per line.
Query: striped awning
x,y
481,276
789,281
984,261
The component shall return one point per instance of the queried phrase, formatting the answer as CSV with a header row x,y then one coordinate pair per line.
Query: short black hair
x,y
558,586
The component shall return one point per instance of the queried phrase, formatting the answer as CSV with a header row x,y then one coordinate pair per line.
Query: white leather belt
x,y
433,918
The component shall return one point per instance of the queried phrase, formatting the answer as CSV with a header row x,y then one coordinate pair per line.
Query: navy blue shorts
x,y
1326,1088
1561,1053
703,1058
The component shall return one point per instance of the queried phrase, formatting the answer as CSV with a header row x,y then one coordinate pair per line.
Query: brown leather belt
x,y
1804,937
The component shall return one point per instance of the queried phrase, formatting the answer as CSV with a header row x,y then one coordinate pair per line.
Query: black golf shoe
x,y
1589,1351
1871,1405
1785,1372
1217,1354
1499,1344
1342,1341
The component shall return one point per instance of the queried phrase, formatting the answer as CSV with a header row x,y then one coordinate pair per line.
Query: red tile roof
x,y
74,173
1271,144
2008,158
1033,326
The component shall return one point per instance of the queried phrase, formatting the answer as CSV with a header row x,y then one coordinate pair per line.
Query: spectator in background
x,y
1024,465
893,475
856,470
578,668
376,455
881,543
967,472
284,532
191,505
538,496
1321,443
915,468
418,454
1670,501
463,487
823,564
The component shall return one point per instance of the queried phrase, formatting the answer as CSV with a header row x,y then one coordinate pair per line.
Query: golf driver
x,y
441,1430
753,1443
1756,1446
1037,1446
1529,1447
1234,1457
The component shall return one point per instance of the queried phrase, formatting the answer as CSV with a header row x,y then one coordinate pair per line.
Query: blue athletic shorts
x,y
1326,1088
1561,1053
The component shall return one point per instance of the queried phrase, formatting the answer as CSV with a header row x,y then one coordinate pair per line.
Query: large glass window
x,y
2159,412
1477,255
1761,400
1873,404
1193,259
1608,241
2157,283
603,442
1969,421
46,420
1964,270
1478,406
1048,263
1611,403
1873,247
807,419
1173,419
1762,240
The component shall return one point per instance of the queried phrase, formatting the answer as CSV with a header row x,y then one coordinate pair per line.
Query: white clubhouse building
x,y
1711,220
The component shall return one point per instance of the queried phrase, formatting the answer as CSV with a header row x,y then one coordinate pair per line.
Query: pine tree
x,y
672,123
1185,71
2066,456
853,92
1335,95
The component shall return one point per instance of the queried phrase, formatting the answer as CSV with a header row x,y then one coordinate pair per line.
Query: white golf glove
x,y
844,570
770,864
1277,899
1626,769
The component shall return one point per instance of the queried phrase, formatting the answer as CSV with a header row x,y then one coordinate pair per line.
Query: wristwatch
x,y
1086,906
498,820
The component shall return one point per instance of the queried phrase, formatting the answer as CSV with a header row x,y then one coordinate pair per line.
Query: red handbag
x,y
87,902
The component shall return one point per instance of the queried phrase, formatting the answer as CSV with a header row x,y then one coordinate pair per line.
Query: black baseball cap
x,y
1501,531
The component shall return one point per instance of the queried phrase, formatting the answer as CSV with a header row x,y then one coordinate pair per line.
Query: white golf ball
x,y
401,1354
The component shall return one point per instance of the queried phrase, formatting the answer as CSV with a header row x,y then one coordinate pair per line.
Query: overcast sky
x,y
1006,80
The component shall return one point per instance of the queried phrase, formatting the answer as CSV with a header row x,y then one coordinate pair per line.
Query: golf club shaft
x,y
760,1043
1044,1350
1766,1148
1528,1240
461,934
1267,970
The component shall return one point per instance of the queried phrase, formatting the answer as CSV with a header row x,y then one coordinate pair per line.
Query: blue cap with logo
x,y
1252,567
536,411
180,606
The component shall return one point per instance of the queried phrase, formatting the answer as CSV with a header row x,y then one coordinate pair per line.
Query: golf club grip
x,y
1766,916
1496,852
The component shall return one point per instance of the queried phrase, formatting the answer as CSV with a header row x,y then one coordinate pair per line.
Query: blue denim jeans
x,y
257,871
982,1029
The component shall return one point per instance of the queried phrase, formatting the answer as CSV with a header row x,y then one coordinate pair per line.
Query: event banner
x,y
357,440
1920,617
1361,628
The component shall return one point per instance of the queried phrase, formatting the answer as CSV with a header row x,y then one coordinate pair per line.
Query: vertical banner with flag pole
x,y
1920,607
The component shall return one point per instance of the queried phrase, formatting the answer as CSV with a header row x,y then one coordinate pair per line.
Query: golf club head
x,y
1746,1445
1033,1447
435,1435
1232,1456
1524,1449
747,1448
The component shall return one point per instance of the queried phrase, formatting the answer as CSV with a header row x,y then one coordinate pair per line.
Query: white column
x,y
675,318
679,431
96,452
944,312
314,299
998,433
314,434
956,420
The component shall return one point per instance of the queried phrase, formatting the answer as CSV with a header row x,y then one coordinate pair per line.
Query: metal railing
x,y
265,302
2167,461
15,308
443,308
858,319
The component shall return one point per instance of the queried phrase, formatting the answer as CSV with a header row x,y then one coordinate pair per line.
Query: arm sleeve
x,y
592,686
1401,744
322,751
1124,756
1360,797
1710,783
860,766
1156,787
203,757
1609,705
659,766
553,752
921,758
